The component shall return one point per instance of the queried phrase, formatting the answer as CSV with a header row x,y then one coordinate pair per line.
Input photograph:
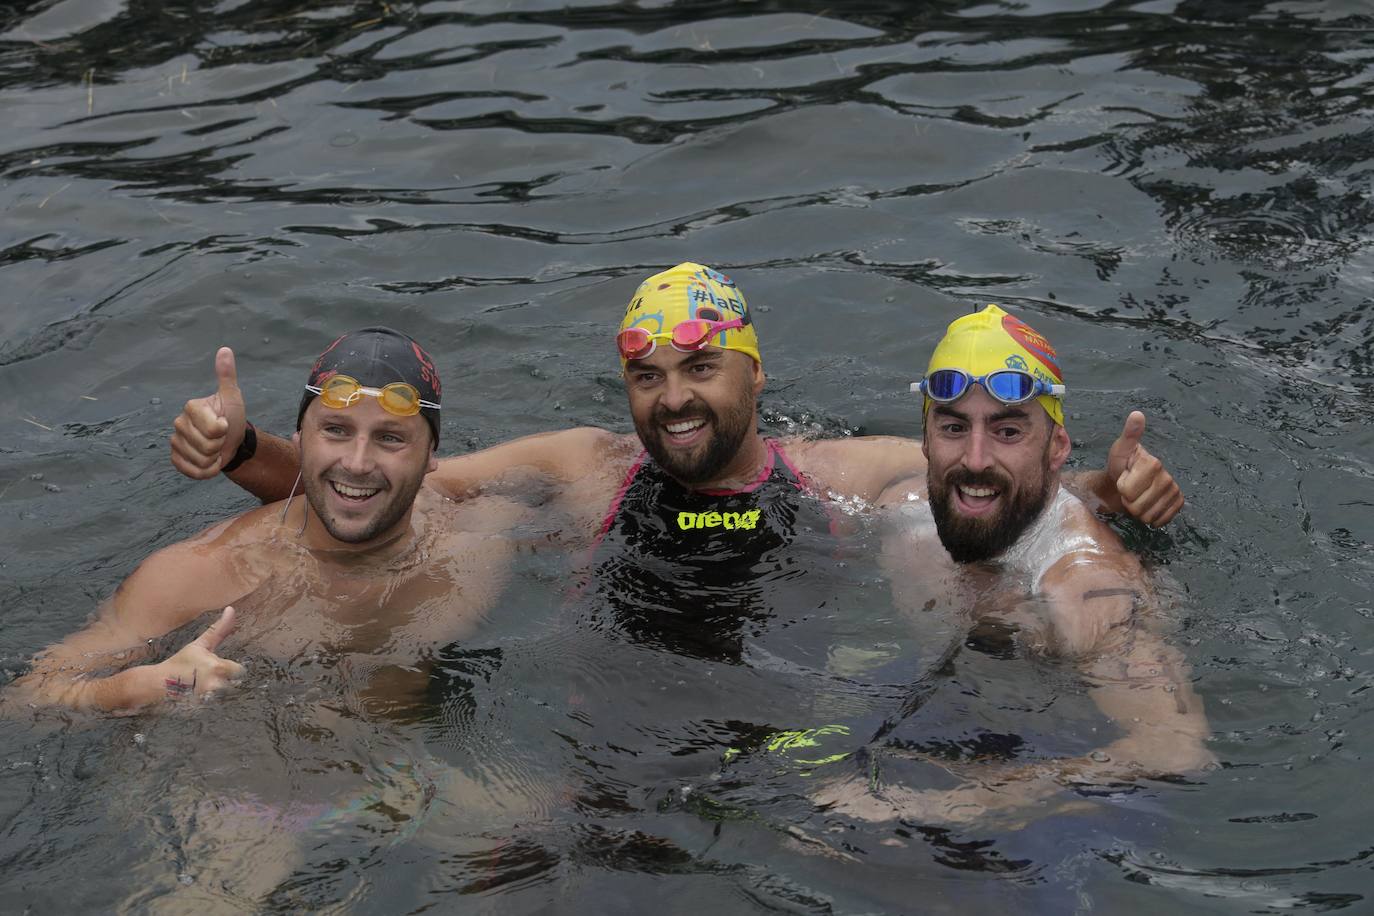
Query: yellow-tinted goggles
x,y
399,398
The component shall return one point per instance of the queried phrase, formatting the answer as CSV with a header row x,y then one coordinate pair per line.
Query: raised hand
x,y
196,671
1148,492
209,430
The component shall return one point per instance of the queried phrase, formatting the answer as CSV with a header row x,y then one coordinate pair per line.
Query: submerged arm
x,y
1096,615
1098,620
1101,614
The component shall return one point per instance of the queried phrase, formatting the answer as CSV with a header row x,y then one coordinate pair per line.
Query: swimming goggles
x,y
1010,386
686,336
399,398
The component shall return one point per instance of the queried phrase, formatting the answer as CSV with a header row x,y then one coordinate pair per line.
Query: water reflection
x,y
1176,190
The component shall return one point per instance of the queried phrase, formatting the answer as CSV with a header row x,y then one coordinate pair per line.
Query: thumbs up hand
x,y
196,671
209,430
1147,491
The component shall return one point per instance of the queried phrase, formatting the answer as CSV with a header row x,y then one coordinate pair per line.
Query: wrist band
x,y
247,448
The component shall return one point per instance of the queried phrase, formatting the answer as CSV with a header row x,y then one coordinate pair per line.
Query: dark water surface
x,y
1176,193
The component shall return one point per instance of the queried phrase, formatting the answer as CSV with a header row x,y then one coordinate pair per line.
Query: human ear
x,y
1060,447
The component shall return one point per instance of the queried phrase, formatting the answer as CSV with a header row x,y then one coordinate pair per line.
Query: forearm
x,y
1165,727
125,691
271,472
1097,488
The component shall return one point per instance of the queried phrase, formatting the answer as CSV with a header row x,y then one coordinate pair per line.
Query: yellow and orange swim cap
x,y
686,292
990,340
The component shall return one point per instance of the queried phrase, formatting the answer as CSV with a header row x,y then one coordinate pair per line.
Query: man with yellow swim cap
x,y
687,305
996,445
990,344
982,505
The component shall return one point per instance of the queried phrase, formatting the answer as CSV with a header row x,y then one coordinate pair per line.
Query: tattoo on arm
x,y
1111,593
176,687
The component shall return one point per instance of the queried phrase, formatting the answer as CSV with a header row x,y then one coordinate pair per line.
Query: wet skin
x,y
352,568
695,413
361,468
989,469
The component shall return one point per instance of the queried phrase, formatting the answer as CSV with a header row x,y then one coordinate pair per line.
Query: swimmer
x,y
367,565
336,602
696,472
1018,549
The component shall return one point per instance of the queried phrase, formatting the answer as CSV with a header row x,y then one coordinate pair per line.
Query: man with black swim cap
x,y
394,371
332,606
367,428
378,357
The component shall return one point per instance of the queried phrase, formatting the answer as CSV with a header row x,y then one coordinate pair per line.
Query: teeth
x,y
351,492
684,426
978,491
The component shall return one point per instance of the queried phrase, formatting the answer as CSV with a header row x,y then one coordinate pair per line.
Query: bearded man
x,y
1019,553
334,572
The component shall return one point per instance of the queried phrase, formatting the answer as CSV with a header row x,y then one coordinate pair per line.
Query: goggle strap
x,y
374,392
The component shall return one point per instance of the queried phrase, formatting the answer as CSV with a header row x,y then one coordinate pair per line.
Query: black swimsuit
x,y
685,569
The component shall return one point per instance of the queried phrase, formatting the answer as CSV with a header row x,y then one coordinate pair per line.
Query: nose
x,y
677,392
977,456
357,458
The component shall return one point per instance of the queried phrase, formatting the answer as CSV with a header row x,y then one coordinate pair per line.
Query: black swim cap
x,y
376,357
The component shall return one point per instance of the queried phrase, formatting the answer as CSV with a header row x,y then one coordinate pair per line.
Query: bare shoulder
x,y
222,544
481,516
1084,524
205,571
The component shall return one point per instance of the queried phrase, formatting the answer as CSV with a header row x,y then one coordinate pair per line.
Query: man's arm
x,y
1101,610
104,666
1095,612
1098,617
1134,481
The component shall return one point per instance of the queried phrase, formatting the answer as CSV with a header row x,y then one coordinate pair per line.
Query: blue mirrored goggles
x,y
1010,386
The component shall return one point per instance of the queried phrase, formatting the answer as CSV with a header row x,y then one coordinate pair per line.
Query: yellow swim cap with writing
x,y
990,340
689,291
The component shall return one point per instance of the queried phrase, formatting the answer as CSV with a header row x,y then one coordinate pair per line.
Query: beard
x,y
973,540
384,516
729,428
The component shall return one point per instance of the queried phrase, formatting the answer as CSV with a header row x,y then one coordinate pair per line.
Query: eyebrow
x,y
1007,413
709,354
712,354
390,424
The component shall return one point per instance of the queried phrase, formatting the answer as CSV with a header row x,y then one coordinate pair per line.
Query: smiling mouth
x,y
976,499
354,494
683,429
